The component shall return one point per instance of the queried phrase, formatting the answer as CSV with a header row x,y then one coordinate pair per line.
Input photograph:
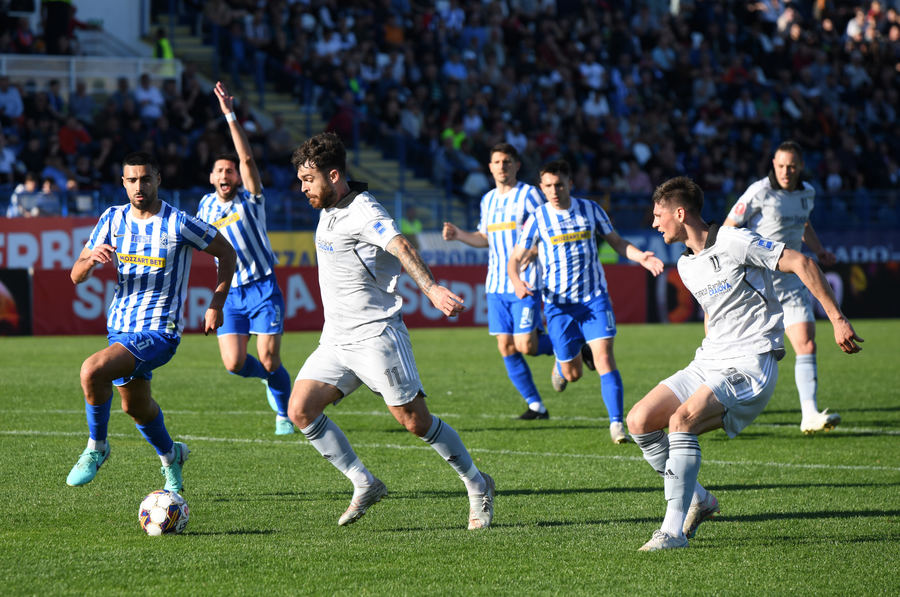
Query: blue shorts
x,y
571,325
150,350
254,308
508,314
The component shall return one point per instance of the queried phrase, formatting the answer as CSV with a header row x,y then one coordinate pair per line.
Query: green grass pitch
x,y
806,515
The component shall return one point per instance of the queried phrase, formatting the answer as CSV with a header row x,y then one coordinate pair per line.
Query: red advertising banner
x,y
60,307
42,243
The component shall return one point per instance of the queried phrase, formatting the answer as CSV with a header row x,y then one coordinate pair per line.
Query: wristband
x,y
230,117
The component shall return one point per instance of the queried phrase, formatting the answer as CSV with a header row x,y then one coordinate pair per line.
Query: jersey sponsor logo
x,y
501,226
570,237
141,239
229,219
714,289
142,260
324,245
379,228
765,243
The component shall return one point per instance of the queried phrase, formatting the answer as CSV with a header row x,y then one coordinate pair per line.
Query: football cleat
x,y
823,421
587,355
617,432
558,382
530,415
481,506
283,426
363,499
700,512
172,472
661,540
87,466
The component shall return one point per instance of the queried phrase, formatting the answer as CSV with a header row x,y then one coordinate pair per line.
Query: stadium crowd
x,y
629,93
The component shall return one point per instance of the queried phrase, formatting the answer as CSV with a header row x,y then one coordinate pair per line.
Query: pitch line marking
x,y
384,413
524,453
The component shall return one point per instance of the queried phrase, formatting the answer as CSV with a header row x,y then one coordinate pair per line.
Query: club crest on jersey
x,y
331,222
714,260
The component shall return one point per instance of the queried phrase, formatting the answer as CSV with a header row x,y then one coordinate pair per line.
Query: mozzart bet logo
x,y
501,226
229,219
142,260
571,237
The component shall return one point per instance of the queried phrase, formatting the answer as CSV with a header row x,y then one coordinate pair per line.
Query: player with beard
x,y
150,244
360,251
255,304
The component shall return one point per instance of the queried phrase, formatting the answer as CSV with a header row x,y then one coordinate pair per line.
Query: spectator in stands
x,y
20,199
149,100
8,161
81,104
123,92
11,106
73,137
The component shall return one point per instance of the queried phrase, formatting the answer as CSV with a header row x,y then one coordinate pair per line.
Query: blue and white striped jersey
x,y
153,262
243,222
568,250
502,218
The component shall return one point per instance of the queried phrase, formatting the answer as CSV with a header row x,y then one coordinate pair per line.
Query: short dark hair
x,y
559,167
324,151
507,148
680,191
225,155
791,146
141,158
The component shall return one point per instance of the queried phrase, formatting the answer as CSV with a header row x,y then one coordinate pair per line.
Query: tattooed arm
x,y
442,299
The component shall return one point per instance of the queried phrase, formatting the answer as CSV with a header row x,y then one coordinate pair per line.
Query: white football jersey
x,y
776,214
357,277
731,278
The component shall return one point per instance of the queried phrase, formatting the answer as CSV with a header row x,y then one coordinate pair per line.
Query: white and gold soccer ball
x,y
163,512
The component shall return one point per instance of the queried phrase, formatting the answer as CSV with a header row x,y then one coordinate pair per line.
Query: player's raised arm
x,y
89,259
627,250
445,301
811,276
222,250
247,165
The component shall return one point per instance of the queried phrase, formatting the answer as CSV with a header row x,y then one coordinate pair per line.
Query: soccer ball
x,y
163,512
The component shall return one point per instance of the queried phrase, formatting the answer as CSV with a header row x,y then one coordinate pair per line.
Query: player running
x,y
360,250
778,207
733,374
150,244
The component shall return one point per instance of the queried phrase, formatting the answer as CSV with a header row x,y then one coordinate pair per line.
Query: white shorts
x,y
743,386
384,363
797,306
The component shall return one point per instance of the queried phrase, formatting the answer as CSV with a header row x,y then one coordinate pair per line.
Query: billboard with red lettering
x,y
61,307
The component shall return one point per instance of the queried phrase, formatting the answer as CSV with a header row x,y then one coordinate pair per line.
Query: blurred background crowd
x,y
630,93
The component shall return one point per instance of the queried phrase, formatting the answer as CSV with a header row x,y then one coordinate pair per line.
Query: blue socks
x,y
155,433
280,385
520,376
98,419
613,395
252,368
